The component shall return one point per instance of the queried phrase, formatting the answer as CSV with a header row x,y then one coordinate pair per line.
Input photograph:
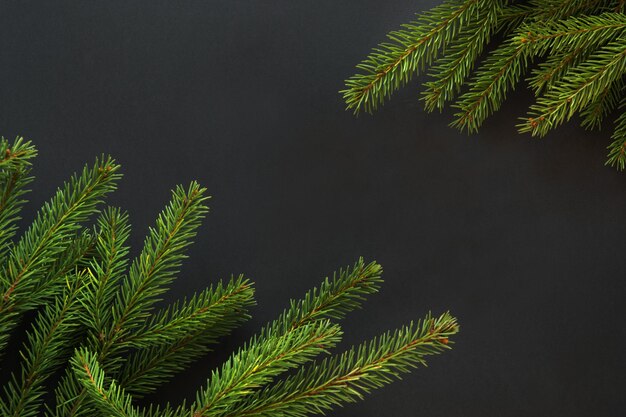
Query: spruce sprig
x,y
345,378
24,279
14,178
96,322
572,52
409,50
45,350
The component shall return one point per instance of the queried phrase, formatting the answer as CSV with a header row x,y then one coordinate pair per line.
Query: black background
x,y
522,239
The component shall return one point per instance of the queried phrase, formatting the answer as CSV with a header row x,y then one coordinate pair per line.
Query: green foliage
x,y
572,53
97,325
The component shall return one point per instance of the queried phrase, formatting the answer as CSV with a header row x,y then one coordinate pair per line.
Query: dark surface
x,y
522,239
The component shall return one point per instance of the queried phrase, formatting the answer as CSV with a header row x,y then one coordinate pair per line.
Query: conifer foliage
x,y
570,53
97,340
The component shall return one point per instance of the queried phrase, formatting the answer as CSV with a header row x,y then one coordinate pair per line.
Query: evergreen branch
x,y
222,307
179,335
499,73
16,156
560,9
112,231
320,387
43,242
513,15
550,72
76,255
391,65
111,401
617,148
504,66
333,299
451,70
55,223
14,177
158,263
579,87
70,397
575,39
46,349
155,267
263,358
593,115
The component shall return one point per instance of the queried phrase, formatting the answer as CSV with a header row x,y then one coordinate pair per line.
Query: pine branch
x,y
43,242
333,298
111,401
617,148
409,50
587,35
263,358
451,70
78,279
513,15
158,263
504,66
77,254
69,398
14,178
47,348
593,115
560,9
107,268
344,378
182,333
579,87
149,274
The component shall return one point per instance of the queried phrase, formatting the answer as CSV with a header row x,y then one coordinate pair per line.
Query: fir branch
x,y
575,39
59,219
504,66
617,148
560,9
579,87
218,306
551,71
14,178
112,231
593,115
391,65
451,70
263,358
150,273
513,15
71,397
320,387
47,348
157,265
110,316
76,255
111,401
333,298
182,333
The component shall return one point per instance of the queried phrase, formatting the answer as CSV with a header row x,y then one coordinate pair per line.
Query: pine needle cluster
x,y
97,339
570,53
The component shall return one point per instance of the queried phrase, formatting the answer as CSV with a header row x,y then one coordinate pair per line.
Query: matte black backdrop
x,y
522,239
